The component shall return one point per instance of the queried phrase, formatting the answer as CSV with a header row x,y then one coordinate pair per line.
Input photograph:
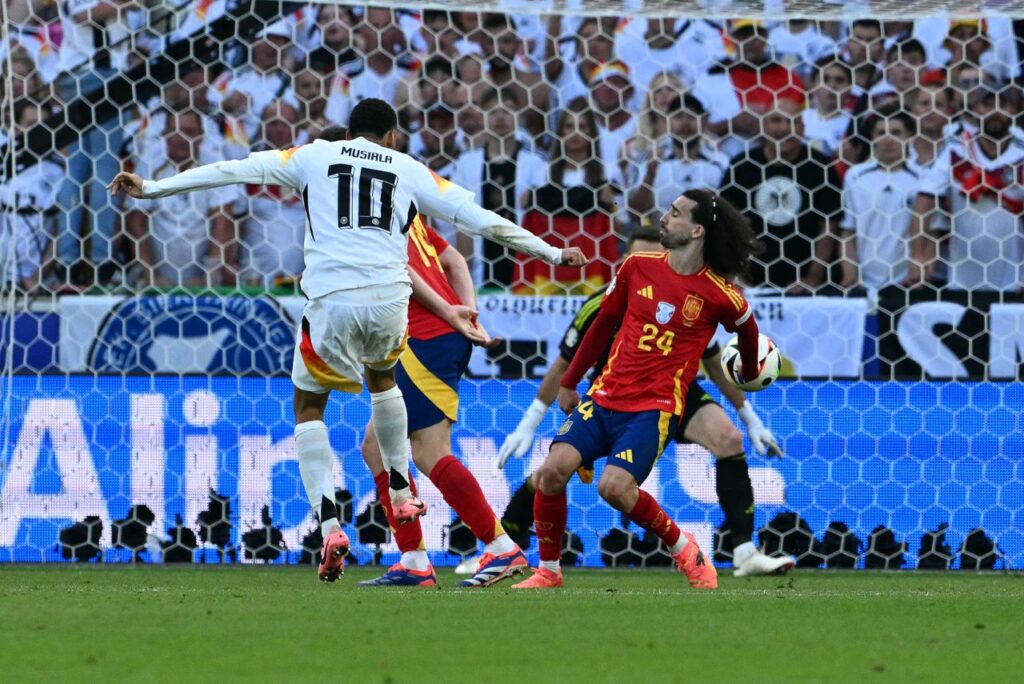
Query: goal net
x,y
874,148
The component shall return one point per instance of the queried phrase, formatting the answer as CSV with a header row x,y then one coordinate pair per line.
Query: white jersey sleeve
x,y
442,199
262,168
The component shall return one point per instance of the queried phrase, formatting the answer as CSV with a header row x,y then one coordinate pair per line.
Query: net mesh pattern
x,y
874,149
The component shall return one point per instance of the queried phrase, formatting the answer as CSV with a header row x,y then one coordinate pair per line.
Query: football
x,y
768,355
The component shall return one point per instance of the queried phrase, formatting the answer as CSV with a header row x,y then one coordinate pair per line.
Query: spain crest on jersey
x,y
692,307
664,312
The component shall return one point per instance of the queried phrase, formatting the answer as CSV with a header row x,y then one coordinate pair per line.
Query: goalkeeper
x,y
703,422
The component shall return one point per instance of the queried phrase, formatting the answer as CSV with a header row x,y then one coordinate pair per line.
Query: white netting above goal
x,y
875,150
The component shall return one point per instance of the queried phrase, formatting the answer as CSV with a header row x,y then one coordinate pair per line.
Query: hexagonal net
x,y
873,150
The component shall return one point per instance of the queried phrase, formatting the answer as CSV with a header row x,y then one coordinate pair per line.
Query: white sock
x,y
553,566
391,424
679,545
415,560
743,552
316,461
328,526
500,545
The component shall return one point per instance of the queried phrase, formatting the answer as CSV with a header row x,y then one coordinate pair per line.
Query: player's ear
x,y
390,139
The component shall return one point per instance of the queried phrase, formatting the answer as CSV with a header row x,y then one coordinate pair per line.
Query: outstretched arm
x,y
473,218
262,168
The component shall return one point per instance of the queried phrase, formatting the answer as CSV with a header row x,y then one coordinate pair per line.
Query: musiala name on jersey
x,y
366,155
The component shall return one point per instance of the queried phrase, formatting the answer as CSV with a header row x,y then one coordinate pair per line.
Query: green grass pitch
x,y
216,624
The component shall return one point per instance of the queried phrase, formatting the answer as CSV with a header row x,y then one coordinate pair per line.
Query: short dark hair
x,y
372,117
647,234
829,61
903,48
729,241
868,23
893,112
332,134
689,102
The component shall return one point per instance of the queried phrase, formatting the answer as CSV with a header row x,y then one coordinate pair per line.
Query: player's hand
x,y
128,183
568,400
465,321
573,256
516,444
760,436
764,442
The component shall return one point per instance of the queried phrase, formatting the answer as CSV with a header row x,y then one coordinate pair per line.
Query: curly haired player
x,y
666,307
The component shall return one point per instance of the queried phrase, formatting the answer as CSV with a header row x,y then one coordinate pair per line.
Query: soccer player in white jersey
x,y
361,197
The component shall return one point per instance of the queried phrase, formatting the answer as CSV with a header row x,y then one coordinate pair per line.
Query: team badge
x,y
692,307
664,313
566,426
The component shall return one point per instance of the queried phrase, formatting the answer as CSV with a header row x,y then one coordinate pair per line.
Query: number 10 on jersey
x,y
375,201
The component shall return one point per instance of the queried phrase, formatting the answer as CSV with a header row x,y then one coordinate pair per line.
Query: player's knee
x,y
549,480
728,441
616,491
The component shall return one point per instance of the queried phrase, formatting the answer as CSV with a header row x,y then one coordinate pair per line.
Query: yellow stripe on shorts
x,y
440,395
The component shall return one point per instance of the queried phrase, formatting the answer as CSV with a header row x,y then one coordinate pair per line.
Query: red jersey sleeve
x,y
602,330
436,241
738,317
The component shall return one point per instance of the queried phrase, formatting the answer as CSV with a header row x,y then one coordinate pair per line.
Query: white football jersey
x,y
360,200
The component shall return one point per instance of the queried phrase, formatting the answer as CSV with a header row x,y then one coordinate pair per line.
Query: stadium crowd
x,y
866,154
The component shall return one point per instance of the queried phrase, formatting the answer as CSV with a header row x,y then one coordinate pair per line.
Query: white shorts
x,y
345,330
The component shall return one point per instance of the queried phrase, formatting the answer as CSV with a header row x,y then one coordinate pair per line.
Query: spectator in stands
x,y
506,69
339,44
274,218
569,63
739,92
469,112
247,92
574,207
385,66
904,67
864,51
684,48
438,140
651,126
963,82
799,44
309,91
610,93
439,35
930,105
186,239
681,161
94,48
28,207
878,200
501,172
982,176
791,196
827,121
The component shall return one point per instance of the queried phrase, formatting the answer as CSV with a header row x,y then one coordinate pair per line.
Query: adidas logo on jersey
x,y
646,292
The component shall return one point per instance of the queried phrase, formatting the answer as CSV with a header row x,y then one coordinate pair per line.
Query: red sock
x,y
409,536
462,492
549,515
648,515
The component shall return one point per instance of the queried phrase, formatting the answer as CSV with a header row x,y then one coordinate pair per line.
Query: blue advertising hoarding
x,y
909,456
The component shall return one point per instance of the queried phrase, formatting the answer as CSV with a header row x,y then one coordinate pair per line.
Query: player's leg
x,y
550,512
518,516
413,568
711,428
431,450
316,467
639,439
382,336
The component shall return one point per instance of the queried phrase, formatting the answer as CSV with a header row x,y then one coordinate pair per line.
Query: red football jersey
x,y
667,321
425,246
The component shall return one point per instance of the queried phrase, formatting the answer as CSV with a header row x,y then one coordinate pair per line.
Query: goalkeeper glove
x,y
520,441
760,436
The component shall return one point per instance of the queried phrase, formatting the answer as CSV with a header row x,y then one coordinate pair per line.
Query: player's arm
x,y
760,436
745,327
598,338
261,168
462,318
456,270
444,200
